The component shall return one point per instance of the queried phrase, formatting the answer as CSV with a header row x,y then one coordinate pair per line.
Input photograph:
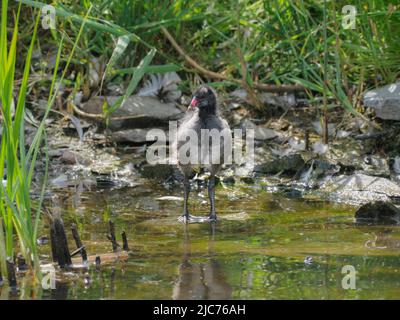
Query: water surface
x,y
264,246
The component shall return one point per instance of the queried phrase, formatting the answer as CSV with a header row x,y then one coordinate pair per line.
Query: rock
x,y
385,101
287,164
133,135
260,133
318,128
396,165
375,165
297,144
139,112
229,180
320,148
96,70
378,211
169,198
70,157
284,101
317,170
162,85
157,171
360,188
247,180
64,181
341,134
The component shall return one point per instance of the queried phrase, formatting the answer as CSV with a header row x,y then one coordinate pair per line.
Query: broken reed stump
x,y
58,238
112,237
307,140
80,247
97,261
124,241
59,243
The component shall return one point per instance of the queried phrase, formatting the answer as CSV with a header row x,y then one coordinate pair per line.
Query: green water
x,y
257,250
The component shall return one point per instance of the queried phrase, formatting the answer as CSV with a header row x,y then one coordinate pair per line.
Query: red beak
x,y
194,103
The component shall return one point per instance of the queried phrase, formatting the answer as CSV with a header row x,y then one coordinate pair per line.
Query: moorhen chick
x,y
202,116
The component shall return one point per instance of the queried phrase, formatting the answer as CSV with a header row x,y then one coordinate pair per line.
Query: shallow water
x,y
264,246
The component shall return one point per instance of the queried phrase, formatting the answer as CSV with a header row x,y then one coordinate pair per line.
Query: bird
x,y
196,147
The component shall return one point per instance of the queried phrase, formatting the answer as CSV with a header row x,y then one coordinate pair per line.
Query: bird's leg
x,y
211,195
186,185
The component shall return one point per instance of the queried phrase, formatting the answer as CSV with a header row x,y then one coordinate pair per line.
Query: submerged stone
x,y
378,211
157,171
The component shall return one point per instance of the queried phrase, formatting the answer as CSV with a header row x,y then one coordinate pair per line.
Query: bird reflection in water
x,y
201,280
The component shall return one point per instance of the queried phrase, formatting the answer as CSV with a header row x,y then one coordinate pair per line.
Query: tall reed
x,y
19,216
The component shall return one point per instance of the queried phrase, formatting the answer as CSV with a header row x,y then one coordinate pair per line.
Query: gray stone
x,y
139,112
133,135
260,133
287,164
284,101
375,165
70,157
360,188
385,101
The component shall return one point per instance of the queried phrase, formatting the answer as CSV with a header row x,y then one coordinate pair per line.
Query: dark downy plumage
x,y
202,114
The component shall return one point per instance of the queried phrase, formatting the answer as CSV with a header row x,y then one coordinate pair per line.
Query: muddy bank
x,y
360,165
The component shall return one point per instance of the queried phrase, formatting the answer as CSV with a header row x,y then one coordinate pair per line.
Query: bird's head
x,y
205,99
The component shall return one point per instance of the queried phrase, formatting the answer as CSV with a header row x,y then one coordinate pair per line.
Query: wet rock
x,y
286,164
42,240
349,154
375,165
385,101
247,180
170,198
378,211
316,171
70,157
64,181
229,180
260,133
104,182
360,188
157,171
139,112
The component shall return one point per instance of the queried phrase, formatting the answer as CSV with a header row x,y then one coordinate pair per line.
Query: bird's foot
x,y
212,217
186,218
